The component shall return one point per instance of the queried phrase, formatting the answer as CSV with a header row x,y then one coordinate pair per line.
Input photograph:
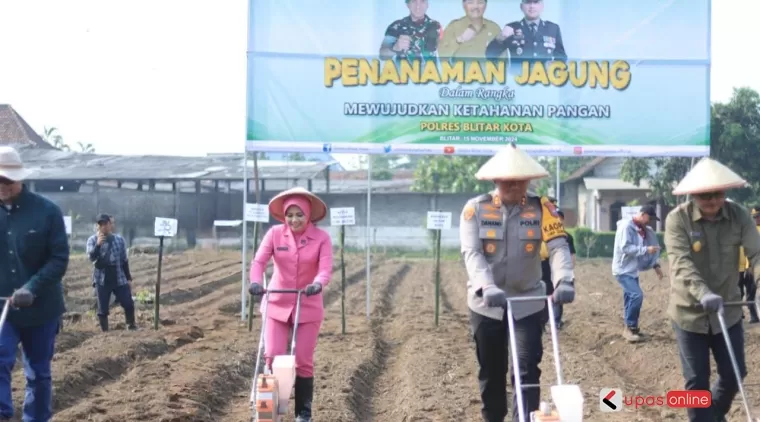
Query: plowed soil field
x,y
396,367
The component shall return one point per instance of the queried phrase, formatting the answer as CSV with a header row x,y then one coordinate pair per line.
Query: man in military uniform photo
x,y
413,37
530,38
501,233
468,36
703,237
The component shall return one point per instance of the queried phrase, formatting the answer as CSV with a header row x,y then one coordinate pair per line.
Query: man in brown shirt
x,y
468,37
703,237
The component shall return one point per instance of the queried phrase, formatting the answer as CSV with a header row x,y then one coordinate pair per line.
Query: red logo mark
x,y
448,150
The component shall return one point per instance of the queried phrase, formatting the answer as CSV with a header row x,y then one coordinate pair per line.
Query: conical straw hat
x,y
318,207
511,163
708,176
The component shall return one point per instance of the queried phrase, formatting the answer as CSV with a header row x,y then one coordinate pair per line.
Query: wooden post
x,y
256,229
156,300
342,279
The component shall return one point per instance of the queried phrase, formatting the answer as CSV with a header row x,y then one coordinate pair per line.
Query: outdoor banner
x,y
466,77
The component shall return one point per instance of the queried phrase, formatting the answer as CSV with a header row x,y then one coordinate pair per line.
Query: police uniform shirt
x,y
539,40
474,48
424,37
500,246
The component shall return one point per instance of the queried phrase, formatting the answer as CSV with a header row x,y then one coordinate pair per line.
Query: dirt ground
x,y
396,367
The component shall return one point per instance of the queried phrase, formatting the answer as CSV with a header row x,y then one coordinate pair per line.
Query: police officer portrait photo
x,y
530,38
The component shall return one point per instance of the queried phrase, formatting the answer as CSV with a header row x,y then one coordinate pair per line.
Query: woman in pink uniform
x,y
302,260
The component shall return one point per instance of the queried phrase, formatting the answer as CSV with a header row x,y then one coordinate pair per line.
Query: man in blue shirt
x,y
636,249
34,256
108,253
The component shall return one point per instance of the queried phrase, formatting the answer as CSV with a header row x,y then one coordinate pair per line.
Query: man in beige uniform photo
x,y
468,36
501,234
702,238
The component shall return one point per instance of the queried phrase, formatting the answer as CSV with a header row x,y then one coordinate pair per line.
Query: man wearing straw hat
x,y
703,237
501,234
34,255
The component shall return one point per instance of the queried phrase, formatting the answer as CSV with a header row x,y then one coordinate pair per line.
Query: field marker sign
x,y
258,213
67,223
165,227
342,216
438,220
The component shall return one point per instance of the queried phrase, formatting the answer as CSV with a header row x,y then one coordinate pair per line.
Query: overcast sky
x,y
168,76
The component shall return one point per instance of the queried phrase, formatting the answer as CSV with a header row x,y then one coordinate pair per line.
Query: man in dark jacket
x,y
108,253
34,256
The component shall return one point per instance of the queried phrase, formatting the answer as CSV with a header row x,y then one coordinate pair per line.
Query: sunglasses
x,y
710,195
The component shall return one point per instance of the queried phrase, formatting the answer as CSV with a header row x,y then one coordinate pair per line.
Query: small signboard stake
x,y
162,228
257,213
342,217
437,220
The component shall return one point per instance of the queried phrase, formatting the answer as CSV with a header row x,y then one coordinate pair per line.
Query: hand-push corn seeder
x,y
271,388
567,398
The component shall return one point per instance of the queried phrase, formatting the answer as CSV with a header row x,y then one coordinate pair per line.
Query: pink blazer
x,y
295,267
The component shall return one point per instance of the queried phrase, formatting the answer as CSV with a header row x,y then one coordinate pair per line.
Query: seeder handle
x,y
284,291
735,364
513,344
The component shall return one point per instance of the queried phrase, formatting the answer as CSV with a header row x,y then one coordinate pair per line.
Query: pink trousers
x,y
278,337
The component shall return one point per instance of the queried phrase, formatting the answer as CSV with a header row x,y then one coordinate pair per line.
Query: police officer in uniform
x,y
531,38
501,234
413,37
703,237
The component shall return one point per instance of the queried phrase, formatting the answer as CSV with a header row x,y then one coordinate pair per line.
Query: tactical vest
x,y
539,223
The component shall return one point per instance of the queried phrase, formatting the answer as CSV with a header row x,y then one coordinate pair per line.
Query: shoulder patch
x,y
469,212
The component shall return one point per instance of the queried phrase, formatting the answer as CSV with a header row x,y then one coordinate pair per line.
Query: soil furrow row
x,y
362,400
154,390
102,360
